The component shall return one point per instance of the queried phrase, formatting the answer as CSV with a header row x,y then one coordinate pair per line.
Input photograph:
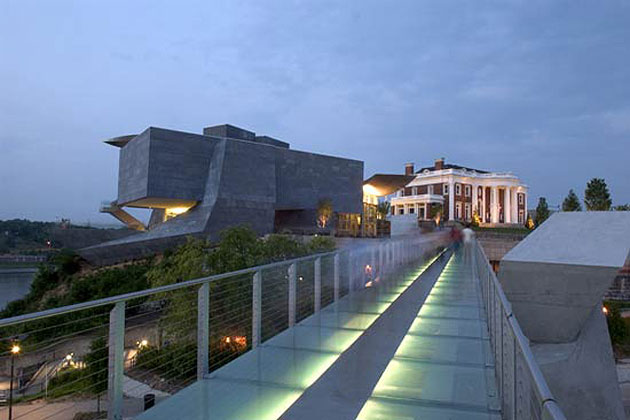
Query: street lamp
x,y
15,350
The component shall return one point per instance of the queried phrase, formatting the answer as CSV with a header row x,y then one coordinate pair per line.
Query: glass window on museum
x,y
401,209
521,217
458,211
467,190
412,209
468,215
520,198
458,189
445,189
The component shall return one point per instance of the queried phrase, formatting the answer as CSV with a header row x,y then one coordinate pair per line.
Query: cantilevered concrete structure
x,y
555,280
200,184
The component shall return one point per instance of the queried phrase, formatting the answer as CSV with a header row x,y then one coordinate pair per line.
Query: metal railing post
x,y
292,293
381,259
116,361
256,308
318,285
373,261
514,373
336,277
350,273
203,327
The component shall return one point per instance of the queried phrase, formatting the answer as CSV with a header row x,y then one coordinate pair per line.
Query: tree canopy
x,y
542,211
597,196
571,202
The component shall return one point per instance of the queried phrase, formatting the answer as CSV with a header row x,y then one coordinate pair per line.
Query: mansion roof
x,y
451,166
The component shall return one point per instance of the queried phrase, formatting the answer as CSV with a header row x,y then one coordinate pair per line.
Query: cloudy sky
x,y
538,88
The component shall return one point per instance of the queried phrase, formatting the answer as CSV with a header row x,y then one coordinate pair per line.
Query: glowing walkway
x,y
443,369
267,382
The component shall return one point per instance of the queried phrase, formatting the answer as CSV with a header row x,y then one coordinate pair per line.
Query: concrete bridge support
x,y
555,280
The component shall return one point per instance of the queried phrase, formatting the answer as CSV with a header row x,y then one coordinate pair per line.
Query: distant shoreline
x,y
17,270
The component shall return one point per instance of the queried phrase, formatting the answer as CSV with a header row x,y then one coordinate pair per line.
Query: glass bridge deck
x,y
442,368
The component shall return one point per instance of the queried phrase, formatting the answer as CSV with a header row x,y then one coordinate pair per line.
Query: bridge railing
x,y
87,357
523,391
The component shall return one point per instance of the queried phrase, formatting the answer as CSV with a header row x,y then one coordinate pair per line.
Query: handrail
x,y
548,402
161,289
147,292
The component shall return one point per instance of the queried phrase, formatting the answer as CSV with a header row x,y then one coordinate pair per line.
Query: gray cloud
x,y
538,88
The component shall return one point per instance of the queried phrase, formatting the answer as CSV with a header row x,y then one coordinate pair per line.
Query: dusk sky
x,y
538,88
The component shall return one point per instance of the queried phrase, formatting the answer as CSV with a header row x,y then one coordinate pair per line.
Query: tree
x,y
529,223
436,212
571,202
324,212
96,368
542,211
596,195
383,209
622,207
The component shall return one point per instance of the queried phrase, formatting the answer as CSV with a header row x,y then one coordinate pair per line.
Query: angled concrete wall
x,y
555,280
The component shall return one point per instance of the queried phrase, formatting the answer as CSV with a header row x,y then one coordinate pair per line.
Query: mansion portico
x,y
458,193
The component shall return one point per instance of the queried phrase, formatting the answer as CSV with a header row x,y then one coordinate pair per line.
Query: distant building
x,y
201,184
456,192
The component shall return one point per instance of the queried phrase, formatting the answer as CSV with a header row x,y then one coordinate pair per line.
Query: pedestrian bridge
x,y
408,329
415,346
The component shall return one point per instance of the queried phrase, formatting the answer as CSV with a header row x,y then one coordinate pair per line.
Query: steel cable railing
x,y
523,391
85,357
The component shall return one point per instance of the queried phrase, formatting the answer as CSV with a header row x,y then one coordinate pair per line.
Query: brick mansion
x,y
456,192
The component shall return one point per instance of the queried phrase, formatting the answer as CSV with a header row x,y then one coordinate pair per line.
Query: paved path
x,y
416,346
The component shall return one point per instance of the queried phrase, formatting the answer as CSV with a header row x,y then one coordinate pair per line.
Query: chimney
x,y
409,168
439,164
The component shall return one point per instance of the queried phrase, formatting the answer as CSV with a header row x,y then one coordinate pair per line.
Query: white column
x,y
494,205
426,211
474,200
525,204
483,204
507,210
451,199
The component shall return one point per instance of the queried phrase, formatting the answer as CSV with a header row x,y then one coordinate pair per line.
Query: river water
x,y
15,284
